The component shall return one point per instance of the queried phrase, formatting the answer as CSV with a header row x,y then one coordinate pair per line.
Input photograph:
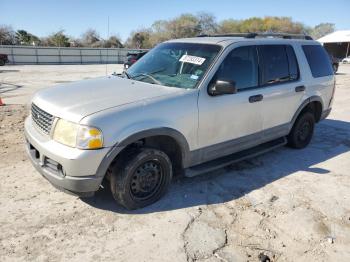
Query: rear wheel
x,y
335,68
2,62
302,131
141,178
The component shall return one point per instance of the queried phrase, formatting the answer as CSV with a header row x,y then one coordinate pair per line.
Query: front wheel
x,y
302,131
141,178
2,62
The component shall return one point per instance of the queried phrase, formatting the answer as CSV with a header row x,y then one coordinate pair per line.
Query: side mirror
x,y
222,87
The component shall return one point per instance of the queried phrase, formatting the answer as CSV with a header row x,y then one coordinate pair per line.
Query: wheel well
x,y
164,143
314,107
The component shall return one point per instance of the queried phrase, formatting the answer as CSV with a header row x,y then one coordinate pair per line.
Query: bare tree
x,y
322,29
113,42
7,35
91,38
207,23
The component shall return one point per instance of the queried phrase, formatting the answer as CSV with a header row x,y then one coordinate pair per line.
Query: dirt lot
x,y
287,204
18,83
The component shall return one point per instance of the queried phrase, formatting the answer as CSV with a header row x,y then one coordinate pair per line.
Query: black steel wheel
x,y
141,178
146,180
302,131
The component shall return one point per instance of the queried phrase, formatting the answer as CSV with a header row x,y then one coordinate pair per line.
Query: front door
x,y
232,122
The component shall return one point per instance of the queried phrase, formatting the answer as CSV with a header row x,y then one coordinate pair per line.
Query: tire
x,y
335,68
302,131
2,62
141,178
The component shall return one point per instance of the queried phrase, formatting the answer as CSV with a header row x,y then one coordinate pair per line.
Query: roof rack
x,y
256,35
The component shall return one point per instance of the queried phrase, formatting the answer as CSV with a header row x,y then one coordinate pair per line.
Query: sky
x,y
43,17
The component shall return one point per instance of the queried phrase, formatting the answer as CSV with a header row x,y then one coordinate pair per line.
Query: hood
x,y
76,100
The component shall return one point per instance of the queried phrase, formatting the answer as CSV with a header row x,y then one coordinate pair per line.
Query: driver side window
x,y
241,67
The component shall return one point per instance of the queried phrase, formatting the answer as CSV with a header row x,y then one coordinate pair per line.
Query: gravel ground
x,y
288,205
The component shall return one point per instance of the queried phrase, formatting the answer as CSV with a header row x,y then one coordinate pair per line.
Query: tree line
x,y
90,38
185,25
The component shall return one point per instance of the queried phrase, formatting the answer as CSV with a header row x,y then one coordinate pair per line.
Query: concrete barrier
x,y
28,55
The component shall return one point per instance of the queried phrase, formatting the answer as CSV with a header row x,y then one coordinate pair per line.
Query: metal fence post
x,y
81,57
59,55
13,56
100,56
36,55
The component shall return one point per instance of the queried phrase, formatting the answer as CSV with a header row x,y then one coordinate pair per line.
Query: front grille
x,y
42,120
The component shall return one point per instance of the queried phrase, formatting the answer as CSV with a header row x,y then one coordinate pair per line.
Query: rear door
x,y
281,87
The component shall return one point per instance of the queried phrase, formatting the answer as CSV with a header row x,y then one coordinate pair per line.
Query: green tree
x,y
25,38
58,39
282,25
22,37
140,39
159,32
186,25
259,25
229,26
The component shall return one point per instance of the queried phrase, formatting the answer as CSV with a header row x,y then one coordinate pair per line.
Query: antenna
x,y
107,40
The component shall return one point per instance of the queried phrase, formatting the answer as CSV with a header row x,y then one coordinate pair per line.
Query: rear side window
x,y
241,67
318,60
278,64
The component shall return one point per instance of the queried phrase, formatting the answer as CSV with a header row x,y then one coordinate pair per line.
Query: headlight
x,y
66,133
74,135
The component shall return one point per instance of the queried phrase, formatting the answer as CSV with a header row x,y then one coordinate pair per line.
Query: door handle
x,y
256,98
300,89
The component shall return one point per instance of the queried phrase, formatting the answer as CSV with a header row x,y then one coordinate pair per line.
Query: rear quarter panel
x,y
321,87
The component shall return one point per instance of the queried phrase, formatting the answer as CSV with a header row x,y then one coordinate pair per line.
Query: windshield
x,y
174,64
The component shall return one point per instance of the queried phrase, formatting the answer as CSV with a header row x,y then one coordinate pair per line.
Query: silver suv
x,y
186,107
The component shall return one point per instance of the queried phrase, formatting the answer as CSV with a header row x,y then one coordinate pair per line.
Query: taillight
x,y
133,60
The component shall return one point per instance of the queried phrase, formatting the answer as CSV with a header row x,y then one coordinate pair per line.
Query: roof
x,y
209,40
336,37
226,40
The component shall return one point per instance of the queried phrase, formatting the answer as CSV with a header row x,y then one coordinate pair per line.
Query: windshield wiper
x,y
150,73
156,81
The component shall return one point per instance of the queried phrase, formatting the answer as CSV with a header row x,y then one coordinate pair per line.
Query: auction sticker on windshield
x,y
192,59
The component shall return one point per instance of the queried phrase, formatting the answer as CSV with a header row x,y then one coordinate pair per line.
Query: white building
x,y
337,43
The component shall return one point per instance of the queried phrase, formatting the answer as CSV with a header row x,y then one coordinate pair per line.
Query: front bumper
x,y
69,169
